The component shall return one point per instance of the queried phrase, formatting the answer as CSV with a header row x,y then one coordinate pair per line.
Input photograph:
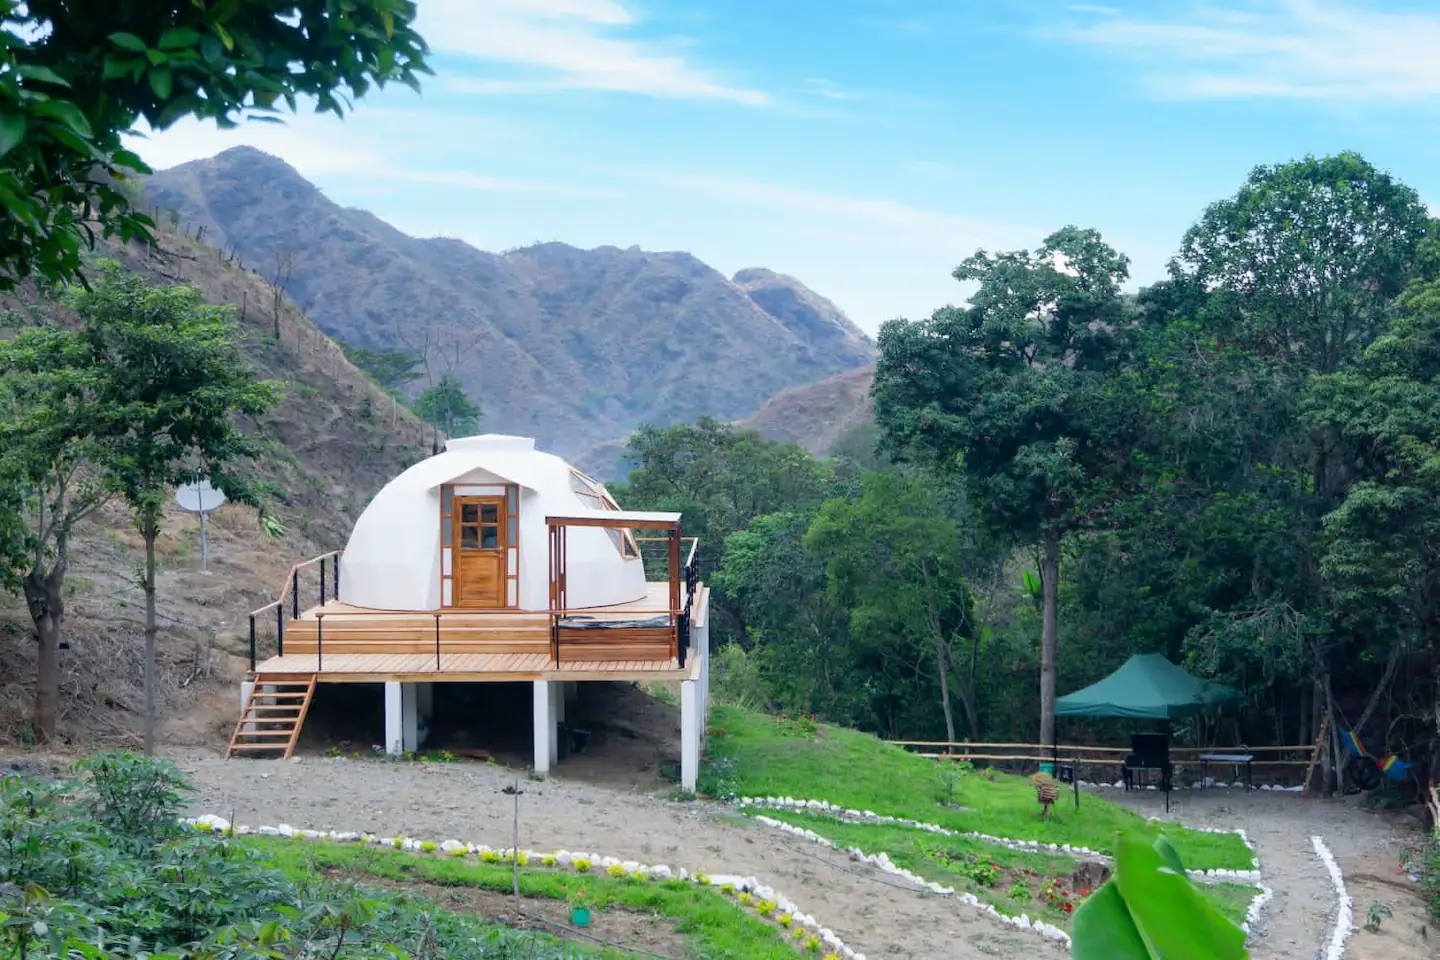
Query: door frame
x,y
508,495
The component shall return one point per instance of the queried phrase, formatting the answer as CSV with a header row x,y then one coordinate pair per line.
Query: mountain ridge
x,y
571,346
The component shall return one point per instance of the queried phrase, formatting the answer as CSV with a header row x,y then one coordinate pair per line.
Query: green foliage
x,y
391,369
68,93
1149,909
858,771
447,407
97,867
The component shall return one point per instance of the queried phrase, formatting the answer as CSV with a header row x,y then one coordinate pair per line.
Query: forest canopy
x,y
1238,467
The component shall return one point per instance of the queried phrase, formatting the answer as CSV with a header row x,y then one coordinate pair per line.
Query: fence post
x,y
295,594
280,628
252,643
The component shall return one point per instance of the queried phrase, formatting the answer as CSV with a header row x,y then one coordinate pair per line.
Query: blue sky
x,y
864,146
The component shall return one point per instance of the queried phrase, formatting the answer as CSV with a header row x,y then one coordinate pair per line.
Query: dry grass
x,y
338,438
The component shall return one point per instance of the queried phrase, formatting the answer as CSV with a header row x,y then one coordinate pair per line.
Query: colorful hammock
x,y
1390,764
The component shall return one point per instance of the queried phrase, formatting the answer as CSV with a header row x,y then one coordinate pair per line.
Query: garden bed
x,y
1046,887
670,911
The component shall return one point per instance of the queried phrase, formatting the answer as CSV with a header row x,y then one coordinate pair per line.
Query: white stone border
x,y
1026,846
882,860
1344,908
562,858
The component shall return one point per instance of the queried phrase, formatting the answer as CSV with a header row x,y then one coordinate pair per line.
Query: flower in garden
x,y
783,919
615,870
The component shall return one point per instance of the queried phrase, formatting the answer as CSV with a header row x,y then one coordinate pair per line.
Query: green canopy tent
x,y
1147,686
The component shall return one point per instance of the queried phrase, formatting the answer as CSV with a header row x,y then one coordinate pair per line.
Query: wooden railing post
x,y
437,643
319,642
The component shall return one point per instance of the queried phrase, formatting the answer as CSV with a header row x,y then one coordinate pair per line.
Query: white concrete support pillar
x,y
701,644
410,717
245,687
690,727
545,743
394,737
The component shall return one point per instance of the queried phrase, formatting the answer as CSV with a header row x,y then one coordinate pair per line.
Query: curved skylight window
x,y
593,494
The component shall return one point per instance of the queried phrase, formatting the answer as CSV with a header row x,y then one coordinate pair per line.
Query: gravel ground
x,y
875,913
1280,825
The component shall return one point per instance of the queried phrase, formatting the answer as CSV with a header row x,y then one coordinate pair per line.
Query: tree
x,y
1381,557
894,560
174,381
391,369
77,76
1013,392
447,408
47,484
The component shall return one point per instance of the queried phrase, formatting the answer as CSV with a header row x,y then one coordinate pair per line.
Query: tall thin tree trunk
x,y
1049,634
967,694
150,531
945,691
44,598
1391,666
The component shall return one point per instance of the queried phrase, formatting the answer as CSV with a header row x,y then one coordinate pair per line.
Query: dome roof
x,y
395,558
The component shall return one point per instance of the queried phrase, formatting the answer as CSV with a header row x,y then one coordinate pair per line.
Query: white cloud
x,y
572,44
322,146
1279,49
911,226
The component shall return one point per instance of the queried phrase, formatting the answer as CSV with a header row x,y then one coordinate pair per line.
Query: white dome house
x,y
491,562
466,529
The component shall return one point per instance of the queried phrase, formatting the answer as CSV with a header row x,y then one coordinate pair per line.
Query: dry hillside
x,y
574,347
818,416
339,438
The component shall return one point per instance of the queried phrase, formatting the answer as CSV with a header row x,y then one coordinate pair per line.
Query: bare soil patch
x,y
1375,877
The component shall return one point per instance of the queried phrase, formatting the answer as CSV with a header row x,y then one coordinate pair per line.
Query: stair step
x,y
264,725
267,733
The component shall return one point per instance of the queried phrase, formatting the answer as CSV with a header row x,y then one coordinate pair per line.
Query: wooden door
x,y
481,539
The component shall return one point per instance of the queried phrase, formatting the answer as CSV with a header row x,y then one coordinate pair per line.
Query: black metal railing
x,y
690,575
329,574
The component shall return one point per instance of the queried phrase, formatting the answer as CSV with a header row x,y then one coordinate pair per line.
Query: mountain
x,y
818,416
574,347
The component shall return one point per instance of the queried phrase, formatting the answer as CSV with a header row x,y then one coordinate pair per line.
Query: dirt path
x,y
874,913
1280,826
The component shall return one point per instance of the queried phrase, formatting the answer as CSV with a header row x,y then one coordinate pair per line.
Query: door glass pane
x,y
445,499
489,512
512,497
514,530
489,538
469,512
447,533
469,538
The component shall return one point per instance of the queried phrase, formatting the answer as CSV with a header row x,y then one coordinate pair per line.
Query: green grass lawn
x,y
752,754
711,924
1012,881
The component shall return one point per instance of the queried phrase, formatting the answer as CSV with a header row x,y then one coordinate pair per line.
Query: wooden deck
x,y
463,667
342,643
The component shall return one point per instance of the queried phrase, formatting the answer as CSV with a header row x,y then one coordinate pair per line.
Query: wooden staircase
x,y
271,718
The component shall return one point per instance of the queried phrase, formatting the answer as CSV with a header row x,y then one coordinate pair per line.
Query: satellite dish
x,y
200,497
